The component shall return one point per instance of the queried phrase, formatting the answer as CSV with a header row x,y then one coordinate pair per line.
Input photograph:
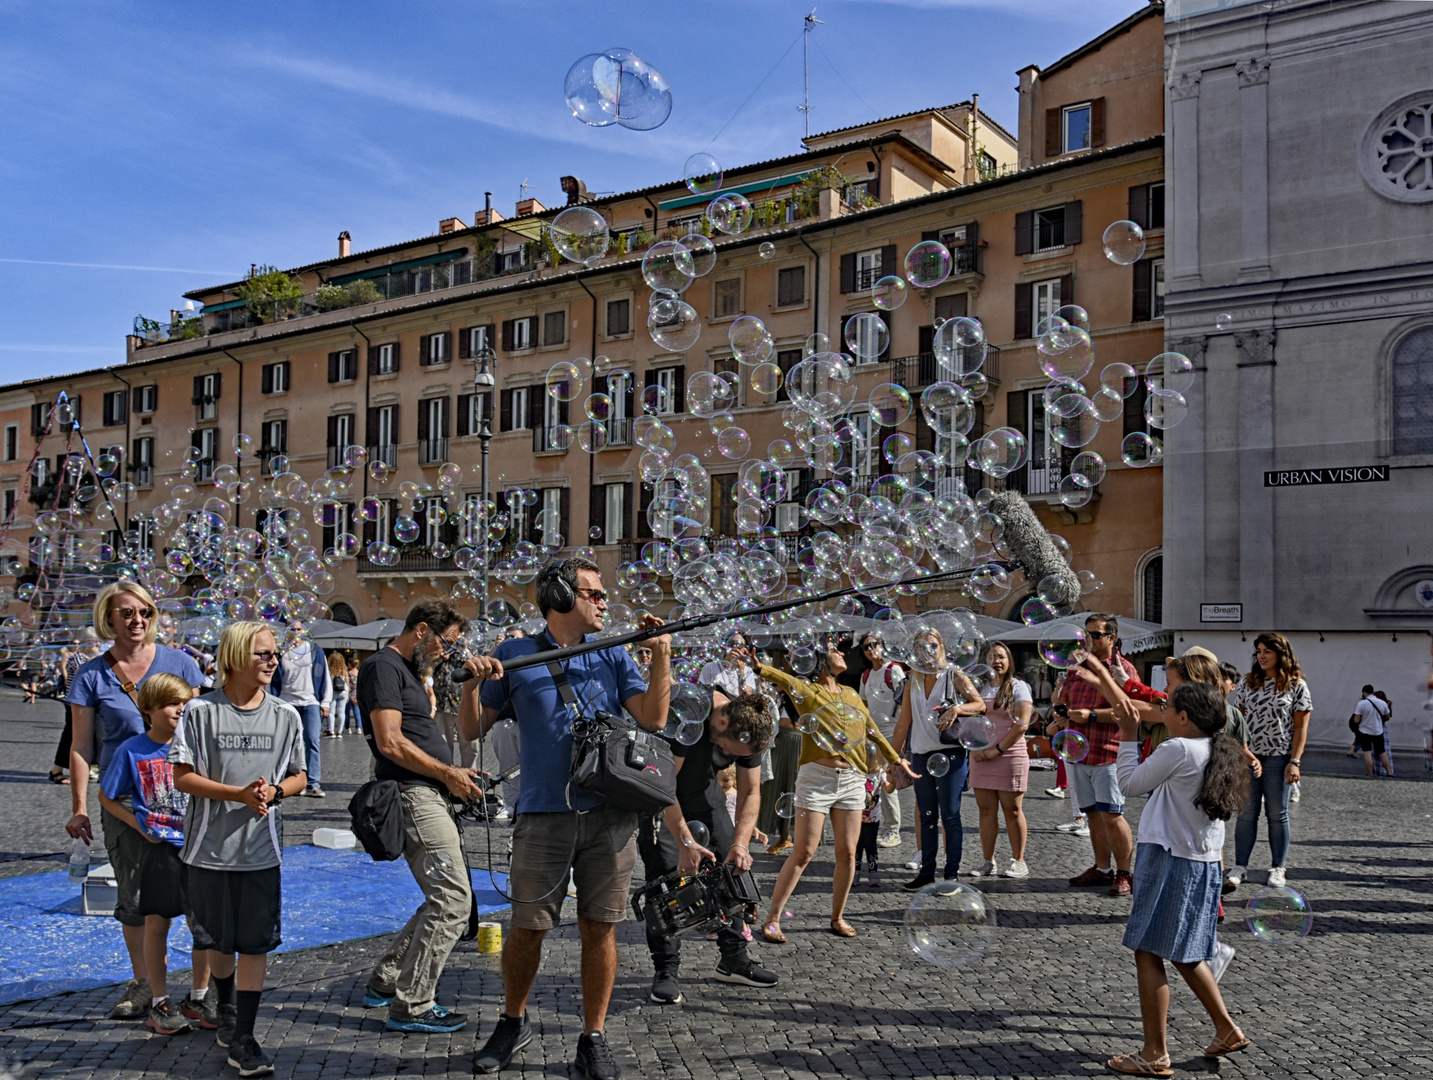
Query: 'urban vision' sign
x,y
1353,474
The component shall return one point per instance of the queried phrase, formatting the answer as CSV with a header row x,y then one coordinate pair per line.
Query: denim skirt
x,y
1175,909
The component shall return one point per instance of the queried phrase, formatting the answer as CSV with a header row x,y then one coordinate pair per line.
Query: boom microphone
x,y
1032,548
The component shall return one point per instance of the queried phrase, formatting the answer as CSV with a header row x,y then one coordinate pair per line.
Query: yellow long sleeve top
x,y
809,697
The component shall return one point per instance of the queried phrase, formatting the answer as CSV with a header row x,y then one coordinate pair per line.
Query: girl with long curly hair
x,y
1276,701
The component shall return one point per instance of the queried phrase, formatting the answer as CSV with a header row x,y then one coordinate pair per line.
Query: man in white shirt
x,y
882,687
1372,734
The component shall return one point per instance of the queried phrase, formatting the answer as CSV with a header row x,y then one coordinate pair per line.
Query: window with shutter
x,y
888,261
146,398
1076,120
1156,206
1142,308
1049,228
790,286
505,410
848,272
1139,205
554,328
1074,222
786,359
508,334
1024,232
619,317
114,408
644,524
266,379
1023,323
1097,122
1156,288
1134,406
726,299
1052,133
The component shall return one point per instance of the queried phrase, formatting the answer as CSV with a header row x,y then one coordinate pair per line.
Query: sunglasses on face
x,y
1097,635
267,657
596,596
127,613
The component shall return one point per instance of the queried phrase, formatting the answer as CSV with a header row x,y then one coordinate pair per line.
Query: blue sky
x,y
151,148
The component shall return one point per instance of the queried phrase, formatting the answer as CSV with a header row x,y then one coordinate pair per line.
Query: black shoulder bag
x,y
629,767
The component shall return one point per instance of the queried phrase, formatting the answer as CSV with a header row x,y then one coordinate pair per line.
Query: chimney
x,y
487,217
528,207
575,190
345,245
450,225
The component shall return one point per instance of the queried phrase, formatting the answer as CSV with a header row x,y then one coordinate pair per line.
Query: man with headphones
x,y
559,829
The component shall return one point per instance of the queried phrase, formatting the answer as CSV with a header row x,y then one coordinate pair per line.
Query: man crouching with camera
x,y
737,730
561,829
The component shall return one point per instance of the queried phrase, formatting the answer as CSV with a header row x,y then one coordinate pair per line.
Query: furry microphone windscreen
x,y
1031,546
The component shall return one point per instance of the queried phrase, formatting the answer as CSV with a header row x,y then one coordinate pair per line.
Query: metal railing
x,y
408,561
387,454
619,432
432,451
542,440
336,455
924,369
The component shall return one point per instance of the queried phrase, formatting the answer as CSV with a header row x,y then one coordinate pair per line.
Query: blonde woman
x,y
1000,773
103,698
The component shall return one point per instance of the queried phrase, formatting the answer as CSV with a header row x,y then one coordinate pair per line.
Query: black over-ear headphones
x,y
557,587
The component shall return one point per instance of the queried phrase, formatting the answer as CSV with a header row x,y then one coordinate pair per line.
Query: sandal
x,y
57,776
1136,1064
772,933
841,928
1228,1044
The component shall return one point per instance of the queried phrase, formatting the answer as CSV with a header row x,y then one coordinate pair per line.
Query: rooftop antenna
x,y
522,189
811,20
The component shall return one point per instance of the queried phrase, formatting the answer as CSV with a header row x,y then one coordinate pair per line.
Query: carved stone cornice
x,y
1256,347
1253,72
1192,347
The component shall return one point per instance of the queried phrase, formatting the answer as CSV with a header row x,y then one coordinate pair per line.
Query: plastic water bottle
x,y
79,861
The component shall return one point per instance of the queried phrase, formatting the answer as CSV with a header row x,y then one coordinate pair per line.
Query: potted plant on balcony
x,y
269,294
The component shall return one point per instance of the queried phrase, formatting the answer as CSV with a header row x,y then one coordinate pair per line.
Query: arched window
x,y
344,614
1153,610
1413,393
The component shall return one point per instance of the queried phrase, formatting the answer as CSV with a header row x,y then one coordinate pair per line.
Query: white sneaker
x,y
890,839
1071,826
986,869
1083,829
914,864
1055,793
1276,876
1017,868
1236,876
1223,954
1294,791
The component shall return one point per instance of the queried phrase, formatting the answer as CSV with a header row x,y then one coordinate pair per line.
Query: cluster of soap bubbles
x,y
617,87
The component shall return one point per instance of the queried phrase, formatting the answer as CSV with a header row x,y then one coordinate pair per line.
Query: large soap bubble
x,y
1279,915
703,173
668,265
580,233
617,87
927,264
1063,645
730,214
1124,243
1070,745
949,924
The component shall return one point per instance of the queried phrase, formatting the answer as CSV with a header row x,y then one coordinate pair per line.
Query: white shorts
x,y
821,789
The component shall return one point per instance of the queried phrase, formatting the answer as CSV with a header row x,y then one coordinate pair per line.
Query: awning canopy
x,y
372,636
771,183
1136,635
399,267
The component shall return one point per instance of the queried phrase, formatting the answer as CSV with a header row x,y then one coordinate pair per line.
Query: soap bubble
x,y
438,864
786,805
890,404
730,214
580,233
405,528
1223,321
867,335
1279,915
1036,612
937,765
1063,645
689,734
564,382
1075,315
668,265
889,293
767,250
765,378
976,733
617,87
243,445
816,343
1087,468
990,583
1066,352
1107,405
1070,745
678,331
1076,429
1169,371
927,264
592,436
1139,450
949,924
703,173
1165,408
1000,452
1124,243
1121,378
701,835
703,253
734,443
688,704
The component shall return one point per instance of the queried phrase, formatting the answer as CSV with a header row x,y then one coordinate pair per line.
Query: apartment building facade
x,y
394,372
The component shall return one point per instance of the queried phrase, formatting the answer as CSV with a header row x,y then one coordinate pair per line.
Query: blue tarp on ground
x,y
329,896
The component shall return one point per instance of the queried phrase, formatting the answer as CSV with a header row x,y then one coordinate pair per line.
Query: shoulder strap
x,y
559,679
124,684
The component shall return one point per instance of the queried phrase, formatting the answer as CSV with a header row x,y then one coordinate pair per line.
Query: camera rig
x,y
714,896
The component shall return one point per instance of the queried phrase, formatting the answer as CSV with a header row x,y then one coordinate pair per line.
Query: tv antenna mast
x,y
811,22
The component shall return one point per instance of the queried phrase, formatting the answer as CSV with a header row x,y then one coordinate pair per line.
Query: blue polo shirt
x,y
116,715
603,679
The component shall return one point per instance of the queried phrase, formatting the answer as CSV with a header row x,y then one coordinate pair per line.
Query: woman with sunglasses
x,y
103,699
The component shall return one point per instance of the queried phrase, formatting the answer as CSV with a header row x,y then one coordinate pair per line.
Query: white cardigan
x,y
1172,775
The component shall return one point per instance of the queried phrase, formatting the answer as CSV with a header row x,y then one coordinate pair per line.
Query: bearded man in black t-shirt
x,y
737,731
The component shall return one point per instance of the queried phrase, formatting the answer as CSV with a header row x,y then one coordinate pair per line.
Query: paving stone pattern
x,y
1054,997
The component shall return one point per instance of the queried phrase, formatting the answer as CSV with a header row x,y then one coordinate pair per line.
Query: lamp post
x,y
483,384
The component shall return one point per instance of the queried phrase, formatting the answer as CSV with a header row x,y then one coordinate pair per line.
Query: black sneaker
x,y
594,1058
665,989
204,1010
744,971
502,1046
166,1019
249,1058
436,1021
919,882
228,1017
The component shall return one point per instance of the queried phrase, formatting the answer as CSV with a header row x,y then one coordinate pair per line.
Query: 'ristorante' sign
x,y
1353,474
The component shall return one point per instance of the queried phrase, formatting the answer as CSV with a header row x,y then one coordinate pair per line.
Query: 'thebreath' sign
x,y
1353,474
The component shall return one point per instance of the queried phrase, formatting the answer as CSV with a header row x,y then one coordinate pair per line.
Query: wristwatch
x,y
1295,761
279,795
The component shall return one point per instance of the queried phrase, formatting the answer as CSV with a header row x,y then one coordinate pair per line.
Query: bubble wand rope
x,y
694,622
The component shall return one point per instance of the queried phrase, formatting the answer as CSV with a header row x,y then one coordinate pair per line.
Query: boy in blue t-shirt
x,y
141,775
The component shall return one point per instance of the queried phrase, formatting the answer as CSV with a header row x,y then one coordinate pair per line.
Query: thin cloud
x,y
59,348
1060,9
113,266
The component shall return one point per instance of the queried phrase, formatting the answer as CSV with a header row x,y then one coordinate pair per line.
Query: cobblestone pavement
x,y
1054,997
